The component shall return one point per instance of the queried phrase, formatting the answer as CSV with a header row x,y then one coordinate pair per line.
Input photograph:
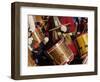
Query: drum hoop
x,y
55,45
68,60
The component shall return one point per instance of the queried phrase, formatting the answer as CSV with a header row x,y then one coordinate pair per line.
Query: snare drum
x,y
82,42
60,53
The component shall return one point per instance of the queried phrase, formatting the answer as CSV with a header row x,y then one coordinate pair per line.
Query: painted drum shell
x,y
60,53
82,44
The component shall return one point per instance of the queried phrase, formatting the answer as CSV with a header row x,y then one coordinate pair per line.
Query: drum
x,y
60,53
38,36
82,42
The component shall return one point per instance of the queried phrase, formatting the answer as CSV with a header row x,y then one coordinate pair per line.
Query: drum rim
x,y
55,45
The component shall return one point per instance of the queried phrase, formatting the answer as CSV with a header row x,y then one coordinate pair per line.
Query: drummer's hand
x,y
46,40
63,28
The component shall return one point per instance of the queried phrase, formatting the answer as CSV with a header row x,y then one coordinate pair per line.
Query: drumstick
x,y
67,24
57,27
54,28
